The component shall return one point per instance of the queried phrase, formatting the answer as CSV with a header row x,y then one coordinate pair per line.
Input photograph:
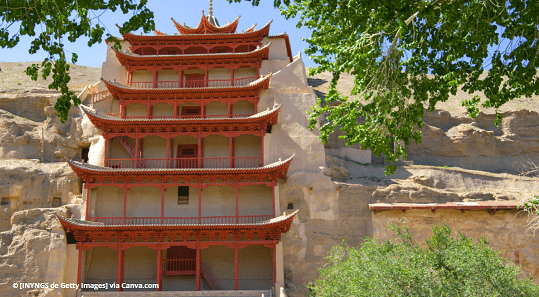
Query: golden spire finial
x,y
211,9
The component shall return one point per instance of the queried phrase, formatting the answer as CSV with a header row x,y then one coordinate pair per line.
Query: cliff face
x,y
459,141
459,159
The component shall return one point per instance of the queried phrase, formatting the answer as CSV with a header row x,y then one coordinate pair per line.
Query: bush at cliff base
x,y
444,266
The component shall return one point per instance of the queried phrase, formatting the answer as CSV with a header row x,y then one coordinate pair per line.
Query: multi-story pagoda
x,y
181,195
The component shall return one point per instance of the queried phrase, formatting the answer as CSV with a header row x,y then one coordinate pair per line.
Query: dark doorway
x,y
187,154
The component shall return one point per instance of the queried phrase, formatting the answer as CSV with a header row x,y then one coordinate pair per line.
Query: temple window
x,y
183,195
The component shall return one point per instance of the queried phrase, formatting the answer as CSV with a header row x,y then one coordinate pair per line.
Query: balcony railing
x,y
237,162
179,266
213,116
212,83
186,220
101,96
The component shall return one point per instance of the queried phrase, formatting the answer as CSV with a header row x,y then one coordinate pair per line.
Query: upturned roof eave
x,y
74,224
263,32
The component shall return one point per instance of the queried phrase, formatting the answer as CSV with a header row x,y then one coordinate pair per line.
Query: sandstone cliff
x,y
459,160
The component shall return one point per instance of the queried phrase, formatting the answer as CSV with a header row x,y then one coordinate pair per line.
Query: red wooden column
x,y
274,263
122,110
121,258
155,77
231,76
168,163
125,203
159,269
180,78
129,77
262,148
200,205
237,212
231,152
256,104
87,199
206,77
229,112
79,268
198,268
200,165
162,204
176,104
236,268
273,195
105,153
136,150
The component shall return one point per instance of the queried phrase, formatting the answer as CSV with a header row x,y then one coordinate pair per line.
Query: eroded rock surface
x,y
33,251
459,141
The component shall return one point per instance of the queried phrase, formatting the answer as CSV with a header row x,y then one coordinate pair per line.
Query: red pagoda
x,y
180,197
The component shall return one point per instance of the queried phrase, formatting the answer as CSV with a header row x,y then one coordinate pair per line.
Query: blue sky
x,y
183,11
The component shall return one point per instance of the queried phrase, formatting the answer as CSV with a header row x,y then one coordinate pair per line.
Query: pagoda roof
x,y
85,231
159,36
113,125
92,173
119,90
206,27
127,58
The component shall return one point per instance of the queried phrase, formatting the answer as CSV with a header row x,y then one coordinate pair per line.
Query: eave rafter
x,y
111,126
96,174
123,92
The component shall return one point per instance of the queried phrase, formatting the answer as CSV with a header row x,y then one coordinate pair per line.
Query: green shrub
x,y
448,266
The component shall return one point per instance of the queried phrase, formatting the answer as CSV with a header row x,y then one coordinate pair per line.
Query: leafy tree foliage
x,y
448,266
408,55
59,20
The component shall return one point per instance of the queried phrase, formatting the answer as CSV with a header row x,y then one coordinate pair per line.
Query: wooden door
x,y
187,154
194,80
180,261
191,111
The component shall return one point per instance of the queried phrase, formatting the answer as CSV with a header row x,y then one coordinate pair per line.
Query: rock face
x,y
476,143
33,251
28,184
38,133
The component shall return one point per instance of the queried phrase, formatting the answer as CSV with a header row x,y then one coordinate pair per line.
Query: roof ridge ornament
x,y
210,13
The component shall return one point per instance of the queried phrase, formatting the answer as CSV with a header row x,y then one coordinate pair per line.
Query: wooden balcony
x,y
234,162
205,116
212,83
216,220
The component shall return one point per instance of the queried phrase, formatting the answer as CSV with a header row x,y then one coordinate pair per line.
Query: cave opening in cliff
x,y
84,154
56,202
4,201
